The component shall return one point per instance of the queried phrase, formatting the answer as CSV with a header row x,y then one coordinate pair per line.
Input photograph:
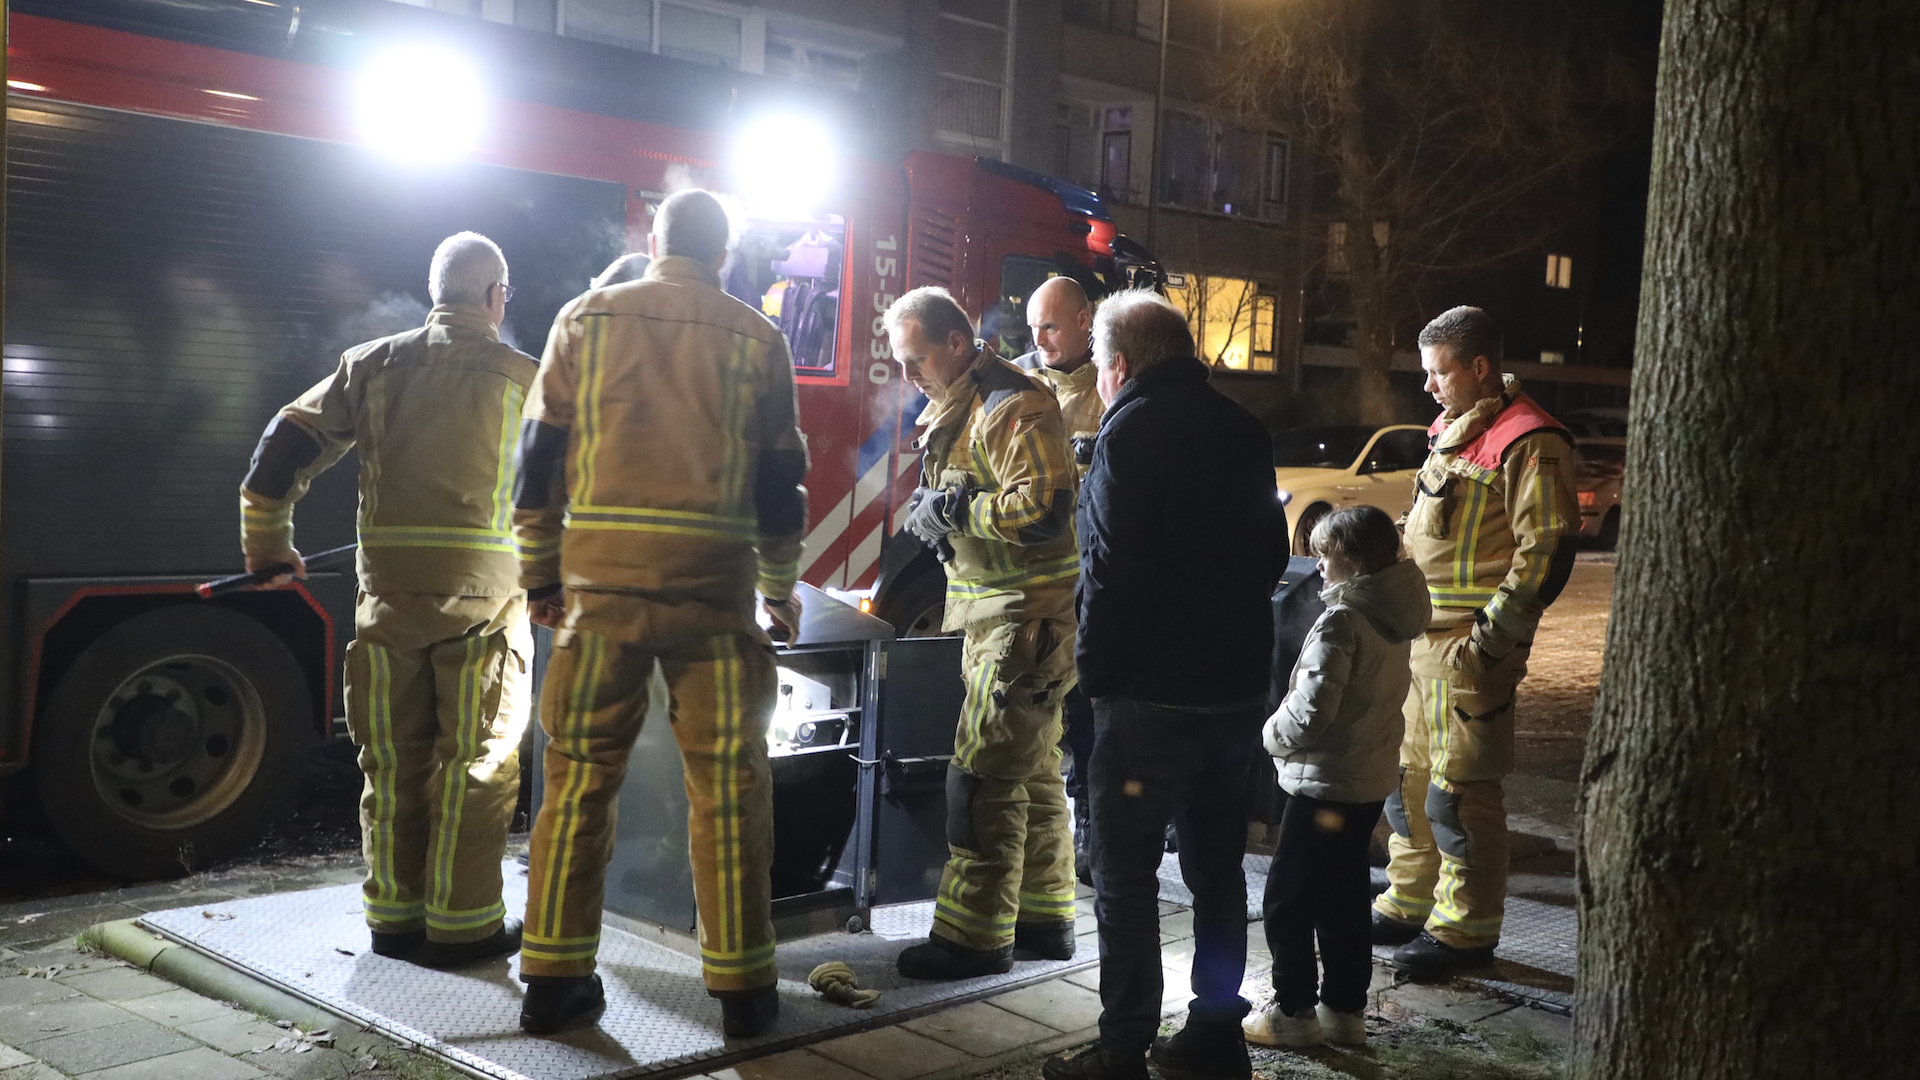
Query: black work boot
x,y
1203,1050
554,1002
1388,930
398,946
746,1013
943,959
1095,1063
1427,957
446,954
1043,940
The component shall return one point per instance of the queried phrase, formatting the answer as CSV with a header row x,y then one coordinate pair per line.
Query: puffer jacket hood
x,y
1394,600
1337,733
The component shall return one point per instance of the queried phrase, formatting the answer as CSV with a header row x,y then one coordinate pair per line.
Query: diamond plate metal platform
x,y
659,1019
1173,888
1536,958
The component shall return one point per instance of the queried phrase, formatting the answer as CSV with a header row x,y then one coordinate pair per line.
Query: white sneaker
x,y
1342,1028
1271,1027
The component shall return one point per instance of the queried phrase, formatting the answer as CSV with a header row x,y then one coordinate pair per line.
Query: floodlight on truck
x,y
420,103
784,164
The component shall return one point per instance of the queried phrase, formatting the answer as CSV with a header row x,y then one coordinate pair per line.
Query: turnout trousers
x,y
1448,870
721,689
1009,831
437,697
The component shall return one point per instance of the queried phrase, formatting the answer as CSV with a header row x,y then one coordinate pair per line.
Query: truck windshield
x,y
790,271
1320,447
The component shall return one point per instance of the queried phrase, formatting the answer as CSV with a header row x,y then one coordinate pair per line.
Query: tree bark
x,y
1750,844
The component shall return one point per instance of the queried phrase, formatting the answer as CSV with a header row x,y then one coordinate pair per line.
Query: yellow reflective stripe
x,y
257,517
441,919
459,540
380,744
725,781
587,408
536,550
1037,903
736,389
974,712
1417,906
655,520
571,733
734,963
950,911
1469,596
546,948
511,400
1471,516
1044,573
1437,730
453,774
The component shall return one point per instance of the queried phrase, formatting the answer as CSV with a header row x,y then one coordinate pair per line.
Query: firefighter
x,y
659,488
997,506
437,671
1492,527
1061,319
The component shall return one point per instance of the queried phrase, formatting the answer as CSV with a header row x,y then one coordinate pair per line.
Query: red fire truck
x,y
207,202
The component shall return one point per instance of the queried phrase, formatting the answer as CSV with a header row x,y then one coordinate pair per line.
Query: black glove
x,y
1083,449
934,512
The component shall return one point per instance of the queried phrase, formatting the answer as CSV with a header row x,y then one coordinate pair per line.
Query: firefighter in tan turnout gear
x,y
1492,527
1061,319
437,673
997,506
660,473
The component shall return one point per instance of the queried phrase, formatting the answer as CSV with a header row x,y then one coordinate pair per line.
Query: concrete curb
x,y
127,940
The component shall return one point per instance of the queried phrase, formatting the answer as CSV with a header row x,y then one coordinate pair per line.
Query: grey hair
x,y
1364,535
463,266
1142,326
1467,332
934,308
694,224
625,268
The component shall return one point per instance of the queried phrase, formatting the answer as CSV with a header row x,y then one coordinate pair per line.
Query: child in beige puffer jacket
x,y
1336,741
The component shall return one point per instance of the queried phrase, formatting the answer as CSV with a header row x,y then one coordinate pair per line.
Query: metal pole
x,y
1159,136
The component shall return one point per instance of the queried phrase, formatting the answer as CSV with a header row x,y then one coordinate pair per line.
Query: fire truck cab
x,y
207,203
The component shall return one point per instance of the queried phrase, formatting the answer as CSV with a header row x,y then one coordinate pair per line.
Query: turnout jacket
x,y
433,413
1181,540
1078,393
997,434
1337,733
660,454
1493,518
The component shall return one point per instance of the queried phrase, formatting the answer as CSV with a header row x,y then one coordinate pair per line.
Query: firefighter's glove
x,y
936,512
1083,449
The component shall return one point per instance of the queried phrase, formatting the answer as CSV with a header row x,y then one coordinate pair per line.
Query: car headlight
x,y
1285,496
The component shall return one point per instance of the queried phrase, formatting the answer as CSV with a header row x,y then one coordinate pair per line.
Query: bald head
x,y
691,223
1060,317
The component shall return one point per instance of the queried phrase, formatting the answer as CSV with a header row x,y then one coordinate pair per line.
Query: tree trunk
x,y
1750,843
1366,277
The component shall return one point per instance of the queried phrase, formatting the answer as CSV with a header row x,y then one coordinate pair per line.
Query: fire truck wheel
x,y
917,605
1303,530
172,740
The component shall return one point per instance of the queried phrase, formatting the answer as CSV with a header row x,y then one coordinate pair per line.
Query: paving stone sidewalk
x,y
67,1012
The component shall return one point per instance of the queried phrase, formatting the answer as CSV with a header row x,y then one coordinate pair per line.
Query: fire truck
x,y
207,202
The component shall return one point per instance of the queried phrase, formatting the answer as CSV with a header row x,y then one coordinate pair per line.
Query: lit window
x,y
1559,272
1232,321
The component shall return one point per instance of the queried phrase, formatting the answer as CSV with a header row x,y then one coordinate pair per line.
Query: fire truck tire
x,y
1303,529
172,741
916,605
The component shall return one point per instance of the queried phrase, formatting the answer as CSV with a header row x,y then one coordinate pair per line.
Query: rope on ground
x,y
836,983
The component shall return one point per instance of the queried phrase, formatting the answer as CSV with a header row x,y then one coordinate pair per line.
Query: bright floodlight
x,y
422,103
784,165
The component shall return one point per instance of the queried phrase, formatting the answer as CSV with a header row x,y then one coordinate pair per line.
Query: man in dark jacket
x,y
1180,528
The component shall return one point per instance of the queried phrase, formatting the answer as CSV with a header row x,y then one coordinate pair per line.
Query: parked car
x,y
1600,468
1322,469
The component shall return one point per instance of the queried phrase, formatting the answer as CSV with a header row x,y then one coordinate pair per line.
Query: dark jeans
x,y
1151,766
1318,885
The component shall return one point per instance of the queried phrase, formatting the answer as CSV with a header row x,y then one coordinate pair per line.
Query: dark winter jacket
x,y
1181,540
